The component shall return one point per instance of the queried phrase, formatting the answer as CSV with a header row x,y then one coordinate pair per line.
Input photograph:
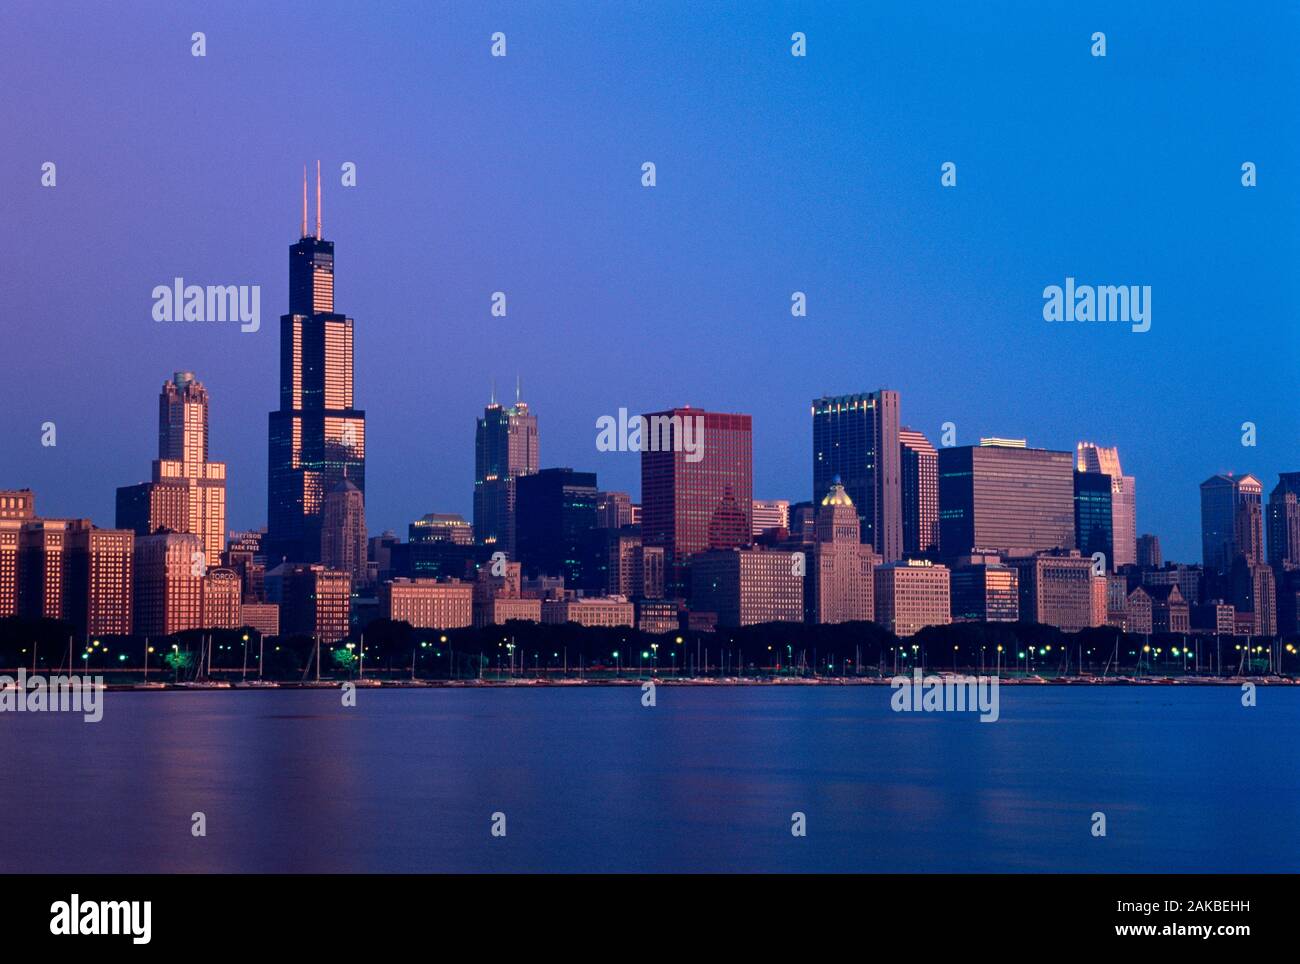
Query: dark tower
x,y
317,437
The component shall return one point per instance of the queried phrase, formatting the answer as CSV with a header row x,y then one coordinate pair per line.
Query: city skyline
x,y
651,315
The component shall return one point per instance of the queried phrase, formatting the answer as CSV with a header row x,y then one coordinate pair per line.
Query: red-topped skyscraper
x,y
316,436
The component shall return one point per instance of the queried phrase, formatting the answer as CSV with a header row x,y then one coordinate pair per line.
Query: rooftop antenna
x,y
318,200
516,388
304,201
494,392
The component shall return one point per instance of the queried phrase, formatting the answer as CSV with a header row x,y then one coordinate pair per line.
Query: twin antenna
x,y
304,200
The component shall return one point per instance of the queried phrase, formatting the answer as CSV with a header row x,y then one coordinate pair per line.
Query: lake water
x,y
707,780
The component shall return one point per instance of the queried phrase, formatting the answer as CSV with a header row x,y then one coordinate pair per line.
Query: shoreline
x,y
571,682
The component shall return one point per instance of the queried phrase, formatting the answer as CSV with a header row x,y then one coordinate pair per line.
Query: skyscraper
x,y
1123,499
168,587
1004,498
343,531
187,492
919,481
316,436
1231,521
1093,516
692,504
843,584
856,437
1148,551
505,448
1284,522
555,519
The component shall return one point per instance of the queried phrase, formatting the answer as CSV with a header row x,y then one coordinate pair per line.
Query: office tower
x,y
343,531
10,532
428,603
1254,591
1059,588
168,583
919,480
1093,516
1170,612
984,589
700,501
613,510
314,601
1284,522
40,568
1287,591
841,584
316,436
187,492
912,595
17,504
625,567
1148,552
770,514
505,448
98,579
1105,461
555,514
748,586
1231,521
220,603
1008,499
441,527
856,437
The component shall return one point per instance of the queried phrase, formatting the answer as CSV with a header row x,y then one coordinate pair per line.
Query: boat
x,y
256,684
154,685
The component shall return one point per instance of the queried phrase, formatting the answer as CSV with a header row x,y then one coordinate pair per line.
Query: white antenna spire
x,y
318,200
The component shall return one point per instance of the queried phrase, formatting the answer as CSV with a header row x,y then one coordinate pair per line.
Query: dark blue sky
x,y
775,174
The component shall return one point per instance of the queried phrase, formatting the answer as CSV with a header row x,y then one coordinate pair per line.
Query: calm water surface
x,y
590,780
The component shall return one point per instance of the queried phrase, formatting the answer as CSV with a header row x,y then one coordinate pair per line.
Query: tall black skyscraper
x,y
856,437
317,435
555,519
505,448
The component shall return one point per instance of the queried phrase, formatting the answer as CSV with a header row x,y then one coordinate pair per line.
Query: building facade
x,y
911,595
842,582
919,475
692,504
317,436
428,603
1095,459
856,437
1004,498
505,449
187,493
748,586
